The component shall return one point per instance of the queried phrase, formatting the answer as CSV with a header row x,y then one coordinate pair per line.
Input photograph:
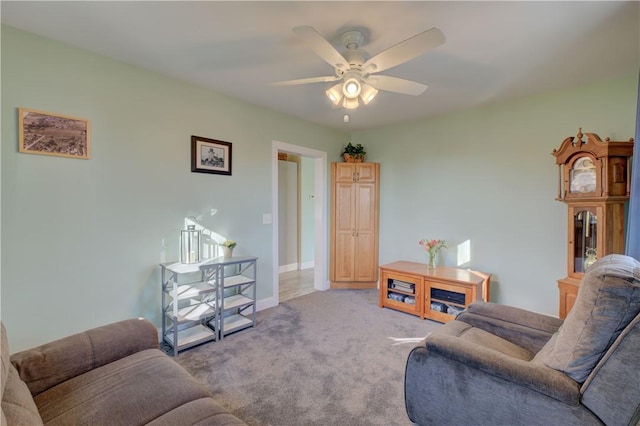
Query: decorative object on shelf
x,y
432,247
190,245
210,156
47,133
354,154
227,248
591,254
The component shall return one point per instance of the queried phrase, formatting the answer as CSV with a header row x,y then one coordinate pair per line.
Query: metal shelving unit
x,y
238,295
205,301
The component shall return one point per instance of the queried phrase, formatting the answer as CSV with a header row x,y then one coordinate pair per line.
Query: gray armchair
x,y
500,365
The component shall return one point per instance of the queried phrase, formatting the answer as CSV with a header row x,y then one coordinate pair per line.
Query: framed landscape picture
x,y
47,133
210,156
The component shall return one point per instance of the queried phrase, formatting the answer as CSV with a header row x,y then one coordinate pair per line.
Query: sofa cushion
x,y
52,363
18,407
608,299
133,390
198,412
480,337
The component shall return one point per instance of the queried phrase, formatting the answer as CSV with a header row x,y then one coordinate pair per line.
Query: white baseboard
x,y
288,268
263,304
307,265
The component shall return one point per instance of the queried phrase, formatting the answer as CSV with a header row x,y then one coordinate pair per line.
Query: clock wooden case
x,y
594,180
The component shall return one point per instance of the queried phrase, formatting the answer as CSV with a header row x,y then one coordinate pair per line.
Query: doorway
x,y
315,215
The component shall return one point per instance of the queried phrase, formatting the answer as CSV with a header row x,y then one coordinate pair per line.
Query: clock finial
x,y
578,141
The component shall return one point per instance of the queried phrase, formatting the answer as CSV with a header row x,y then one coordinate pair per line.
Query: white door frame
x,y
320,230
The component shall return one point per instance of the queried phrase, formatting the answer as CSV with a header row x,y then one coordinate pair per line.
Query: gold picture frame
x,y
47,133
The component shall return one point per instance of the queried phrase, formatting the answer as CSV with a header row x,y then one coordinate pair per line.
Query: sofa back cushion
x,y
611,391
608,299
18,407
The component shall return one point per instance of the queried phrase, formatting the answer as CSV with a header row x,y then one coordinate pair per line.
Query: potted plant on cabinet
x,y
354,154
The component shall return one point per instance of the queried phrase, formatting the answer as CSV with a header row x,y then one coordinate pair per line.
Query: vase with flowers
x,y
432,247
227,248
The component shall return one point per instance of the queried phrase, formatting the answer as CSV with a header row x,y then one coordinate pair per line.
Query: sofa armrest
x,y
536,377
527,329
47,365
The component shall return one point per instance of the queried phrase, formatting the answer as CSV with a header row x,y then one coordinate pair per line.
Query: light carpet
x,y
327,358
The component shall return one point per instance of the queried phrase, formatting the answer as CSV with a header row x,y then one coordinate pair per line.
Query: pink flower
x,y
432,245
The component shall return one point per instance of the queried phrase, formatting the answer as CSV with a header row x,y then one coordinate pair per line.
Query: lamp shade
x,y
368,93
349,103
335,94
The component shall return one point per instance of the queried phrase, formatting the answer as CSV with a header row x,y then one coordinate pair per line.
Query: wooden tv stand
x,y
438,294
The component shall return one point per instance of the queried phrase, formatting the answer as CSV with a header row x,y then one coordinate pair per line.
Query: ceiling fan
x,y
356,73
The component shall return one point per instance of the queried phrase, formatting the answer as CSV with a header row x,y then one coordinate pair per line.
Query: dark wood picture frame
x,y
48,133
210,156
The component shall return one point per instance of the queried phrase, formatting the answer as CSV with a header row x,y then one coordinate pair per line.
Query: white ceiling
x,y
494,50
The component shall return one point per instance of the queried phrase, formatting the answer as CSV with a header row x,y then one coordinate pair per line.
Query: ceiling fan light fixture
x,y
368,93
354,68
335,94
350,103
351,88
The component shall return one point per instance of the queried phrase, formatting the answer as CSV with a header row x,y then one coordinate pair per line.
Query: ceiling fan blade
x,y
322,47
405,51
306,81
395,84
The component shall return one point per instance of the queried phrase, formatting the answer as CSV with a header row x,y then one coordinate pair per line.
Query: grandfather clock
x,y
594,180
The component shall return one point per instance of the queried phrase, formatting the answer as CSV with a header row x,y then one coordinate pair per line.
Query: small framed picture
x,y
48,133
210,156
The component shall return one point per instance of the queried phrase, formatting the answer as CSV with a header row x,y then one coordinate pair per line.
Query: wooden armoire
x,y
355,191
594,182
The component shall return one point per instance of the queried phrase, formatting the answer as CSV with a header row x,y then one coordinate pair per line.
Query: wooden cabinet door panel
x,y
345,219
366,208
568,294
365,264
344,262
366,172
345,172
345,224
366,247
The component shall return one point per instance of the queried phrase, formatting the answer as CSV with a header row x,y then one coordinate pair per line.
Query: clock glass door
x,y
585,232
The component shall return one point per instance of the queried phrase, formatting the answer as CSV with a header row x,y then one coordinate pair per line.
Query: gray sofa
x,y
500,365
111,375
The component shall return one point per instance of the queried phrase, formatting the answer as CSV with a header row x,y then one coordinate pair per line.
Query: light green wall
x,y
486,175
82,239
